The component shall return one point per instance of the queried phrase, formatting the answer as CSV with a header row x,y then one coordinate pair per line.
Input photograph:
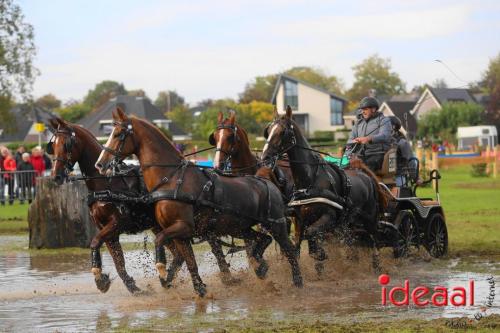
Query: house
x,y
314,108
25,118
400,106
434,98
100,122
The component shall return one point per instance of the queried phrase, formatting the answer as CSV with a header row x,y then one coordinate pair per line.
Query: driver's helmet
x,y
369,102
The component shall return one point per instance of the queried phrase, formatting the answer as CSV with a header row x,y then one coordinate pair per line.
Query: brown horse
x,y
192,202
73,144
327,197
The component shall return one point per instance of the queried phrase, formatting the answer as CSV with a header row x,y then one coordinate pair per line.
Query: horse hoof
x,y
165,283
103,283
320,268
261,271
297,282
201,289
132,288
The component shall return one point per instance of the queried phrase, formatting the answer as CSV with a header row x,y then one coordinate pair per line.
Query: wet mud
x,y
56,292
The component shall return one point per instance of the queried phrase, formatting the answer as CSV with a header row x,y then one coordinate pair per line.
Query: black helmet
x,y
369,102
395,122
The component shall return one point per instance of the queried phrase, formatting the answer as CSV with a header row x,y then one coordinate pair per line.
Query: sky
x,y
211,49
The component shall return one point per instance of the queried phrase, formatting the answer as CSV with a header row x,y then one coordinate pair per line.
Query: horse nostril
x,y
98,165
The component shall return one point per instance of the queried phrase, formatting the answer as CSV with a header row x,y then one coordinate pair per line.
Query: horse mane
x,y
383,196
157,132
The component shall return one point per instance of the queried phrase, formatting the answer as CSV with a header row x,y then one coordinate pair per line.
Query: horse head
x,y
64,146
120,144
280,136
227,139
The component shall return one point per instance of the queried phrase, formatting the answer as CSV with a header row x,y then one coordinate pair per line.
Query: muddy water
x,y
49,293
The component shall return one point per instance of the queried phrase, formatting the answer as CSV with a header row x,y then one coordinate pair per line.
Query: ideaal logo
x,y
439,295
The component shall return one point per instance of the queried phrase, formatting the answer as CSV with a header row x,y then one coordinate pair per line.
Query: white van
x,y
482,136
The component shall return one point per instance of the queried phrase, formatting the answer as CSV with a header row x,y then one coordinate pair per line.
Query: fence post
x,y
435,165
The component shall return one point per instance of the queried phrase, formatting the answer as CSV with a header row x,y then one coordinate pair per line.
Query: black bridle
x,y
68,149
226,163
287,135
127,130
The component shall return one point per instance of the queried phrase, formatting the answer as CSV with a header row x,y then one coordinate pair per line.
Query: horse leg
x,y
256,252
109,231
116,252
226,277
313,233
179,233
279,232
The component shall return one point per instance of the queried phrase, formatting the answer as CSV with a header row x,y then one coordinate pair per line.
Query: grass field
x,y
471,205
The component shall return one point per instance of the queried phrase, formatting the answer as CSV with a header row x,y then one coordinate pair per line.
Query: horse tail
x,y
382,195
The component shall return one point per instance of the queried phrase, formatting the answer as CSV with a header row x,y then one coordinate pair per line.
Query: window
x,y
291,95
336,107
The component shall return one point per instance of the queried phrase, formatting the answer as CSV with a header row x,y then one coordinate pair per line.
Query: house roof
x,y
291,78
444,95
402,111
25,116
138,106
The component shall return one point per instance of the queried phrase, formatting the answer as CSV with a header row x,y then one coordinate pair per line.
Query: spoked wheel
x,y
407,235
436,237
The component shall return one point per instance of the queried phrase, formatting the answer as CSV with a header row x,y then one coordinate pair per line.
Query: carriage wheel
x,y
436,237
407,235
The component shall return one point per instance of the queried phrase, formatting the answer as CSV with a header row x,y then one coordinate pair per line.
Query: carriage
x,y
408,221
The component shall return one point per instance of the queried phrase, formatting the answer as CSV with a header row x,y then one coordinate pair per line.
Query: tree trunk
x,y
59,216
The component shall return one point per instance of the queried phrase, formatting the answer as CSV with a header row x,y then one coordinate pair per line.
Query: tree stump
x,y
59,216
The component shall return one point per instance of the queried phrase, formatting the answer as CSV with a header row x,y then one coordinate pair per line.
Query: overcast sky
x,y
210,49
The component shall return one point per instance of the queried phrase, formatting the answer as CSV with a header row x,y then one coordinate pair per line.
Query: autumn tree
x,y
168,100
73,111
375,73
48,102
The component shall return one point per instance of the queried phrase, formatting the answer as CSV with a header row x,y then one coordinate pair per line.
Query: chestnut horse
x,y
327,197
191,202
72,144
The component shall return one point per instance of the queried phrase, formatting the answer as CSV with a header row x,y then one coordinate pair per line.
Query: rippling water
x,y
56,292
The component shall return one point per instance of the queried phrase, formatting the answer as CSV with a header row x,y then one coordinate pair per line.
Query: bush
x,y
323,136
479,170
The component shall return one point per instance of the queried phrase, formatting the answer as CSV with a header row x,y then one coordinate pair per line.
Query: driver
x,y
373,130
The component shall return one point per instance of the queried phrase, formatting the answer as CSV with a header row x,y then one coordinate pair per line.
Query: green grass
x,y
472,211
14,218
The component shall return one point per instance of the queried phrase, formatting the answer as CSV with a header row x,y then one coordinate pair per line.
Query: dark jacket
x,y
379,128
26,178
404,152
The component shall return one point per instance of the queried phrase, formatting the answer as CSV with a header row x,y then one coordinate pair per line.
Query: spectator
x,y
25,178
9,165
19,154
37,161
2,180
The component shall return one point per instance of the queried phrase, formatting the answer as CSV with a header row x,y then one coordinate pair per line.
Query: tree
x,y
443,123
137,93
17,51
491,83
182,117
262,87
375,73
48,102
102,92
439,83
7,120
168,100
73,111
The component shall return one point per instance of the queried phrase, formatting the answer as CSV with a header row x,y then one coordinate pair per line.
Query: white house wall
x,y
280,98
426,103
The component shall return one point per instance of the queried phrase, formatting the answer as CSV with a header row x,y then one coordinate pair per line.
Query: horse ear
x,y
119,114
232,117
288,112
211,139
53,122
275,113
220,117
266,132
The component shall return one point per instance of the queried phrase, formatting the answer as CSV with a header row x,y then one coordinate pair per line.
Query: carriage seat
x,y
388,171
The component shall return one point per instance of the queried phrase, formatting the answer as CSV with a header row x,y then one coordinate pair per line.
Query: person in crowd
x,y
2,179
373,130
37,161
19,154
26,178
9,165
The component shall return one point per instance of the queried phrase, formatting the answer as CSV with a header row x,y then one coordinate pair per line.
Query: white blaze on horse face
x,y
269,138
111,136
219,145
